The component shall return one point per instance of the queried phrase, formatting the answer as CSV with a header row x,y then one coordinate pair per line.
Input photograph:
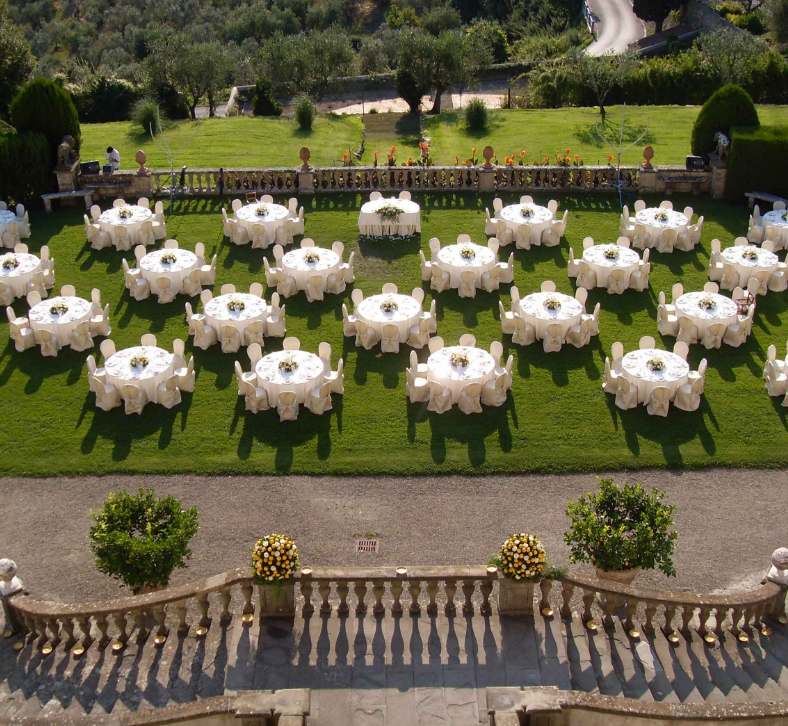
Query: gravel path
x,y
725,541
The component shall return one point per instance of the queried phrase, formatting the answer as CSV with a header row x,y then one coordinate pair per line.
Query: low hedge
x,y
756,161
25,170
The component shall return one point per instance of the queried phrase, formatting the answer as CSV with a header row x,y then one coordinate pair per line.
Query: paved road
x,y
617,26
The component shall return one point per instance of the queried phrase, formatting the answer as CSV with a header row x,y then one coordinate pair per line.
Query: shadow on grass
x,y
588,134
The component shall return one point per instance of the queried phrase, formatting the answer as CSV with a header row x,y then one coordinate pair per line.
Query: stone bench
x,y
86,194
763,196
673,181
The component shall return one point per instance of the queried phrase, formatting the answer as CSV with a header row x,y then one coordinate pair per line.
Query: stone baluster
x,y
588,601
720,615
545,587
224,598
160,615
704,614
139,622
180,610
68,630
378,590
84,627
450,589
190,179
486,588
736,614
246,591
342,590
631,610
432,592
468,586
609,603
651,611
54,629
306,592
687,612
120,623
397,588
567,590
360,588
102,623
324,589
415,589
203,604
670,613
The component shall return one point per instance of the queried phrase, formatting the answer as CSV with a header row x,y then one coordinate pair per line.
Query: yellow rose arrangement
x,y
275,558
522,557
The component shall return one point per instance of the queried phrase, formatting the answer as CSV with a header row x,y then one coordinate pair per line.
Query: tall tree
x,y
730,54
16,60
600,74
655,11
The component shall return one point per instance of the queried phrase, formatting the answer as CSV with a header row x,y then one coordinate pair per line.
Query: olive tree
x,y
600,74
730,54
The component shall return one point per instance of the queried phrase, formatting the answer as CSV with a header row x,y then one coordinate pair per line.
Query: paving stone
x,y
680,682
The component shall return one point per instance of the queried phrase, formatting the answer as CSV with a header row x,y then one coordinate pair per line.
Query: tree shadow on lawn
x,y
389,249
109,257
469,307
456,122
560,363
389,366
149,309
587,133
37,368
780,409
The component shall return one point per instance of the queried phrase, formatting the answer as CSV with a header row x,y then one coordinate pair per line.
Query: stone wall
x,y
703,18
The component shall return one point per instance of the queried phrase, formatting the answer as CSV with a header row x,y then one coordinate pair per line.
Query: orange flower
x,y
566,159
610,157
375,154
522,154
568,151
473,150
344,156
576,157
410,161
546,159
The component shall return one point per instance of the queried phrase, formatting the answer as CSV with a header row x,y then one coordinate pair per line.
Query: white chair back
x,y
149,340
548,286
435,344
291,343
468,340
107,348
68,291
389,289
357,295
404,194
647,341
227,289
256,288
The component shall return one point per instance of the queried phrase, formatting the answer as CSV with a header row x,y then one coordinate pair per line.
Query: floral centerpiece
x,y
235,305
59,308
749,253
274,559
125,213
785,217
138,361
168,258
261,210
311,257
10,263
552,303
467,253
288,365
389,213
458,360
661,216
526,212
611,252
522,557
655,365
707,303
389,305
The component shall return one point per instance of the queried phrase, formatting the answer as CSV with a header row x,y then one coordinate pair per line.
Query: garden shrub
x,y
756,161
45,107
264,103
476,115
25,166
727,107
409,89
141,539
493,37
104,99
305,112
144,115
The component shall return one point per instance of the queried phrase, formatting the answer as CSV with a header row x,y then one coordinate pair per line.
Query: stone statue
x,y
66,156
9,582
723,144
648,155
487,153
305,155
778,572
140,157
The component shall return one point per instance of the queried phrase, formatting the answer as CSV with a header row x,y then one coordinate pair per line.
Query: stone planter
x,y
276,601
622,577
516,597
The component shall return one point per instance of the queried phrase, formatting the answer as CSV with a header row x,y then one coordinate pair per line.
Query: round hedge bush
x,y
476,115
305,112
264,103
144,115
45,107
729,106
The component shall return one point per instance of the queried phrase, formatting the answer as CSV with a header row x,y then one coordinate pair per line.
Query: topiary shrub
x,y
45,107
141,539
729,106
105,99
756,160
144,115
264,103
25,166
476,115
305,112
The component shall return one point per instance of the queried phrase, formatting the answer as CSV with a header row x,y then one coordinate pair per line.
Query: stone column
x,y
487,171
647,181
306,179
719,173
276,601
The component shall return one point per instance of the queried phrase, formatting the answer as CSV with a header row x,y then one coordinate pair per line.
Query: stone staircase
x,y
426,662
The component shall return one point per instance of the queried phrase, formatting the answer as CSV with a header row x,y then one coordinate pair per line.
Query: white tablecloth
x,y
6,217
61,326
409,219
539,220
274,218
152,268
308,376
404,317
159,369
654,227
627,260
452,261
777,218
294,264
724,312
110,219
217,313
533,310
746,268
480,369
18,277
636,371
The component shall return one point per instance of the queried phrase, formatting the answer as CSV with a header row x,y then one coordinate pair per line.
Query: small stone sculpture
x,y
487,153
723,144
140,157
304,154
9,582
648,155
778,572
66,156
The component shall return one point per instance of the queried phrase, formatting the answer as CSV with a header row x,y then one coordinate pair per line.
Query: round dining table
x,y
295,264
217,313
274,216
440,369
597,257
152,266
638,368
777,218
272,376
655,226
409,221
704,309
746,266
6,217
48,315
537,216
157,369
17,269
456,259
110,220
535,311
372,310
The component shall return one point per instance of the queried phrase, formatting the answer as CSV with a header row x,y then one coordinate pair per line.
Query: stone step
x,y
749,676
707,657
626,663
606,675
681,682
581,665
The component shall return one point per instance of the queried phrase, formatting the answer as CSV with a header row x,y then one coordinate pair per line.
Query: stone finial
x,y
9,582
778,572
648,155
487,153
140,157
304,154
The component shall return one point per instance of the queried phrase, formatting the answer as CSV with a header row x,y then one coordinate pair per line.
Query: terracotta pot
x,y
622,577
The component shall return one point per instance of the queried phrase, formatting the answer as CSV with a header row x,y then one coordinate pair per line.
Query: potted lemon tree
x,y
275,561
621,531
521,561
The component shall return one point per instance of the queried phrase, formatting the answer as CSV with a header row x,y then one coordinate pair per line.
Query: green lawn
x,y
238,142
557,418
384,130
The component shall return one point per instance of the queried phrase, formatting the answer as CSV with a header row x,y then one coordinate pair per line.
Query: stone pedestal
x,y
276,601
516,598
719,173
648,181
306,182
486,180
67,180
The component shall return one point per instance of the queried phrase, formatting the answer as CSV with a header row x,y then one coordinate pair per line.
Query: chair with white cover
x,y
647,341
204,335
740,242
133,398
337,378
243,378
435,344
418,388
348,323
315,288
489,223
275,326
107,397
419,334
755,232
547,286
107,348
238,233
767,245
165,289
758,284
738,333
19,331
95,212
552,205
667,323
524,237
306,242
611,376
586,277
581,295
551,236
494,391
579,335
640,205
389,288
641,240
524,333
347,270
236,205
123,240
284,233
681,349
287,406
145,234
507,320
168,394
230,338
138,288
667,204
7,296
667,240
158,227
468,340
97,377
497,205
255,398
572,268
81,338
553,338
404,194
148,339
139,253
778,206
227,289
254,332
503,233
730,277
319,399
778,281
467,285
616,281
426,267
11,235
594,317
659,401
389,338
440,280
324,353
191,284
285,285
68,291
366,335
490,280
270,273
256,289
431,316
506,270
623,242
713,335
36,284
699,374
225,223
440,398
291,343
259,237
626,394
471,398
419,370
97,237
638,280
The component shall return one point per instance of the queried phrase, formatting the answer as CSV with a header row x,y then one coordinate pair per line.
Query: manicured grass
x,y
548,132
384,130
557,418
240,142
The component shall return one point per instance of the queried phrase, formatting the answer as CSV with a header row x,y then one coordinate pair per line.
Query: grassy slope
x,y
228,142
557,419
